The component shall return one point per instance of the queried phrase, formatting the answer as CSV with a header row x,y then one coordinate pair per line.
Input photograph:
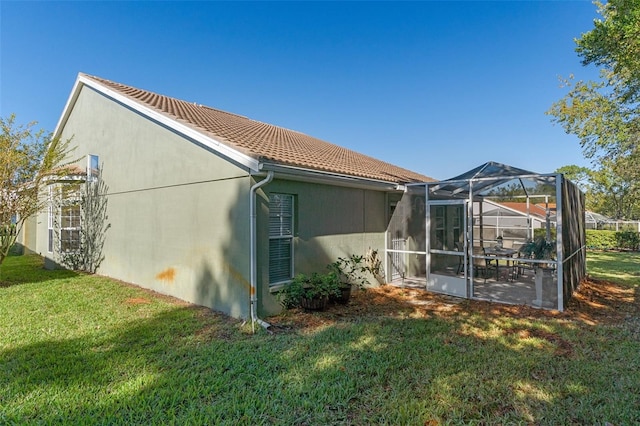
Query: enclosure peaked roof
x,y
486,176
491,169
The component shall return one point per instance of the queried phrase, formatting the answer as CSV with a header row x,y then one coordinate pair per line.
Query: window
x,y
280,238
64,218
70,228
50,220
93,167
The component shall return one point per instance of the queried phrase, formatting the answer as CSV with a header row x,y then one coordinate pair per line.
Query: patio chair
x,y
482,264
519,266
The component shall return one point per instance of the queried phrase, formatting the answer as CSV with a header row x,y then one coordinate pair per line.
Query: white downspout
x,y
254,251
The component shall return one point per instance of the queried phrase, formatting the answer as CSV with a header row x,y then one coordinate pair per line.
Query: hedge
x,y
608,240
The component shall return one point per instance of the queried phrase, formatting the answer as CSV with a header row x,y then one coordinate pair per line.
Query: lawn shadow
x,y
137,373
29,268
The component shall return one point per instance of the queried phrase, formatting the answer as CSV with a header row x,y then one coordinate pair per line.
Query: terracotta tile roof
x,y
265,142
534,209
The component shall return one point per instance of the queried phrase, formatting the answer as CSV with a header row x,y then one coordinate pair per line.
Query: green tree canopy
x,y
27,158
605,114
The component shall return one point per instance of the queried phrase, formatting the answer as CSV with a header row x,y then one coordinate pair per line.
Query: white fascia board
x,y
250,163
67,108
318,176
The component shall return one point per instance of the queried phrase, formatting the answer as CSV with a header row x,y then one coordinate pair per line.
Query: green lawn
x,y
77,349
621,267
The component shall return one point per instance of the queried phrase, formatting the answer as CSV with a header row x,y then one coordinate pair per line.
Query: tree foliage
x,y
605,114
27,158
609,192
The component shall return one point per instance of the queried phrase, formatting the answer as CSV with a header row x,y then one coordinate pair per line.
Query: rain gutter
x,y
325,177
254,251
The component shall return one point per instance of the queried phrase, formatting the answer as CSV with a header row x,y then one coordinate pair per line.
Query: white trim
x,y
211,143
301,174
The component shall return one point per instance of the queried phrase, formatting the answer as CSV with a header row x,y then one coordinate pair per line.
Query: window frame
x,y
93,167
70,234
68,222
282,235
50,216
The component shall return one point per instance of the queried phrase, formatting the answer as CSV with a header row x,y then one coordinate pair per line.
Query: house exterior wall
x,y
26,238
329,222
178,213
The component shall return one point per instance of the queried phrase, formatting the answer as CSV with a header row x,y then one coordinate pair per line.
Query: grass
x,y
621,267
78,349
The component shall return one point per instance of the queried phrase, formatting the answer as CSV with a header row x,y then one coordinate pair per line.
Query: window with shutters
x,y
280,238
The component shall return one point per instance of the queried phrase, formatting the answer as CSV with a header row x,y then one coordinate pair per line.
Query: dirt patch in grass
x,y
595,302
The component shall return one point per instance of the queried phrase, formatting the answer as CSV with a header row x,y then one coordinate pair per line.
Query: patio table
x,y
500,253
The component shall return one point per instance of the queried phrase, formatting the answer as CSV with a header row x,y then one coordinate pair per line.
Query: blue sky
x,y
436,87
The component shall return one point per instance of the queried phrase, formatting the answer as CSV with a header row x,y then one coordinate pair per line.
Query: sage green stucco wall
x,y
330,222
178,213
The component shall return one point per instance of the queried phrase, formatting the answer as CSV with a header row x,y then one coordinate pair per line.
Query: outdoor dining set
x,y
501,260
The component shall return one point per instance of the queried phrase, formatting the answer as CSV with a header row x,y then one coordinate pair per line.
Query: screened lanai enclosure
x,y
437,238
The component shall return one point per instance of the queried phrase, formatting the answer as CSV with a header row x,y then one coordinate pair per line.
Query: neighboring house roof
x,y
552,207
534,209
593,217
249,142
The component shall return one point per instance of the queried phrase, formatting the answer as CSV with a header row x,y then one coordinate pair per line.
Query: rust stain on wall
x,y
237,276
168,274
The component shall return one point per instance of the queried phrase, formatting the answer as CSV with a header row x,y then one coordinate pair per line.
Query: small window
x,y
280,238
93,167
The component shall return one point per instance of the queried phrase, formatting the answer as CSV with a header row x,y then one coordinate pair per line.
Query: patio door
x,y
447,247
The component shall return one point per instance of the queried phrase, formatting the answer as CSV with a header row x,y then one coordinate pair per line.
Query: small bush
x,y
314,286
610,240
601,239
628,240
542,233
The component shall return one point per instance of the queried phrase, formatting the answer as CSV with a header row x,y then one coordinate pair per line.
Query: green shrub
x,y
628,240
601,239
609,240
312,286
542,233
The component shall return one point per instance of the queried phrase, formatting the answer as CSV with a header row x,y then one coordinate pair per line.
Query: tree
x,y
581,176
613,194
610,190
27,159
605,114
